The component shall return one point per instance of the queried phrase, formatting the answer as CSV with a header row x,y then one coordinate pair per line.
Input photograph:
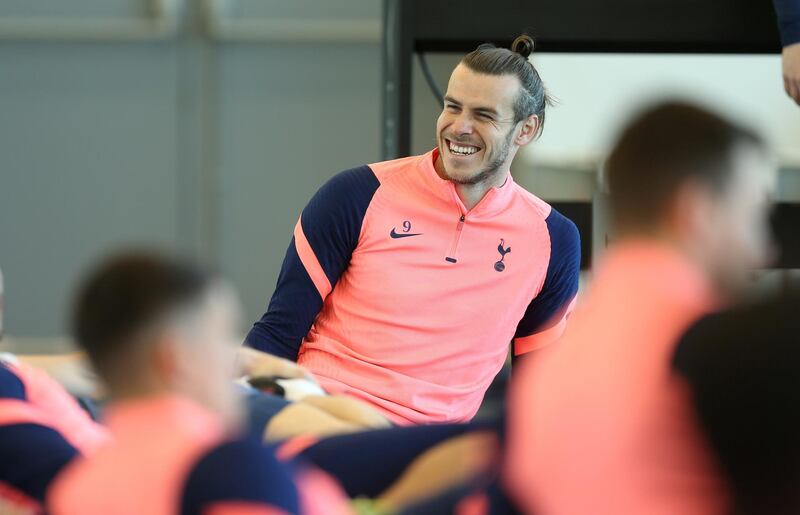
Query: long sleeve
x,y
788,12
324,240
546,317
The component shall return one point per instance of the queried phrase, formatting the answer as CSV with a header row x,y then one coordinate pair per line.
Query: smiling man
x,y
406,280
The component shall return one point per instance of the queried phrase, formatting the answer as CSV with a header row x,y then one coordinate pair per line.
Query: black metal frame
x,y
618,26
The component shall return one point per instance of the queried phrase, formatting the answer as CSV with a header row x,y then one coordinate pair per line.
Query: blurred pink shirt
x,y
59,409
159,445
598,423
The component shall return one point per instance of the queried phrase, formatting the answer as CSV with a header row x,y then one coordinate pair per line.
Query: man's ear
x,y
689,214
528,131
165,358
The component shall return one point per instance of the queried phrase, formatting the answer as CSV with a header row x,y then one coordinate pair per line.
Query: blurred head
x,y
495,103
151,325
689,177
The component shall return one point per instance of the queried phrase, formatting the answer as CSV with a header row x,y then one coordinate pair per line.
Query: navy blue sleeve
x,y
11,386
788,12
561,283
239,471
292,309
331,226
31,456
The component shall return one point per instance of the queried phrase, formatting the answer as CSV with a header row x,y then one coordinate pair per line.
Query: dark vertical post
x,y
398,49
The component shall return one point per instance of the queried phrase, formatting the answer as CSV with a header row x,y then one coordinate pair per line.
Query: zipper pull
x,y
450,258
460,223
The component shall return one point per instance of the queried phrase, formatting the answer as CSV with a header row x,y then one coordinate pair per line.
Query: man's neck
x,y
471,194
133,390
689,250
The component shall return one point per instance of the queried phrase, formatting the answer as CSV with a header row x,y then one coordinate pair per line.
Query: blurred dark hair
x,y
663,147
126,294
491,60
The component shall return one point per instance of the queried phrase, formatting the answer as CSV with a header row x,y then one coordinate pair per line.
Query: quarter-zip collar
x,y
493,202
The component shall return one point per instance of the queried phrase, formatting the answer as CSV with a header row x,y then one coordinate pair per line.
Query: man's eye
x,y
452,107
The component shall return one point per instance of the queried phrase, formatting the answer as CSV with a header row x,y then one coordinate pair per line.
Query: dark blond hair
x,y
491,60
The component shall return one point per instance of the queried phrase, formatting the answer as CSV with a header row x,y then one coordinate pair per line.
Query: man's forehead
x,y
474,89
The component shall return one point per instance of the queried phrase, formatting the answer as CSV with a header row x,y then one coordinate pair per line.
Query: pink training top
x,y
395,293
42,429
65,414
599,424
170,456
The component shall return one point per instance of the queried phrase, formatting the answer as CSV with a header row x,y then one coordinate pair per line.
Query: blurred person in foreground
x,y
600,424
160,334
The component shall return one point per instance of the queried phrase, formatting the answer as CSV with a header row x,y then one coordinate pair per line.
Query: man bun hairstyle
x,y
523,45
491,60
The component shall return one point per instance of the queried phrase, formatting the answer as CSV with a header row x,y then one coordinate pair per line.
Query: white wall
x,y
192,142
598,92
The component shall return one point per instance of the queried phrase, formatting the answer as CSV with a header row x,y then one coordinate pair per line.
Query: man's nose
x,y
462,124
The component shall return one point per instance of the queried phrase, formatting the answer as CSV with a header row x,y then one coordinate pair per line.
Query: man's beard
x,y
490,170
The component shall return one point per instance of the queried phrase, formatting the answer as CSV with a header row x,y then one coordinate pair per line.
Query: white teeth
x,y
462,150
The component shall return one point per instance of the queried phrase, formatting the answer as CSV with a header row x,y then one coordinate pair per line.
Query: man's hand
x,y
791,71
349,409
324,416
255,363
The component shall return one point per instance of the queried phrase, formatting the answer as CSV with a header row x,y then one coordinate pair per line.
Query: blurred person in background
x,y
788,12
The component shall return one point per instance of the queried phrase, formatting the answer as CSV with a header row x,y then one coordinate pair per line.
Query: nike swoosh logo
x,y
395,235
